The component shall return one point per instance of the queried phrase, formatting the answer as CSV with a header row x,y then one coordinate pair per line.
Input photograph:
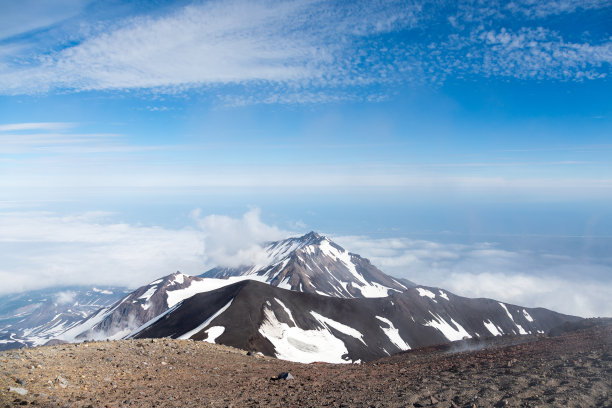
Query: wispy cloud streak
x,y
308,51
15,127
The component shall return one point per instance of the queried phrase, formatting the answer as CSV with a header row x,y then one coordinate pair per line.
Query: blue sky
x,y
458,124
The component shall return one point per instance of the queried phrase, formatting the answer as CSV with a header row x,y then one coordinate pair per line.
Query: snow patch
x,y
213,333
375,290
150,292
339,326
393,334
492,328
179,278
443,295
302,346
527,316
206,322
343,257
286,310
427,293
518,326
450,332
204,285
284,284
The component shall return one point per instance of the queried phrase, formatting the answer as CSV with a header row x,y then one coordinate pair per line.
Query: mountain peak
x,y
315,264
312,236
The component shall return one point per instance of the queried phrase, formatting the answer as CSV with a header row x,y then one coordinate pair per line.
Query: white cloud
x,y
234,242
579,286
482,12
56,138
12,127
120,170
39,249
65,297
587,298
42,249
21,16
308,51
545,8
526,53
209,43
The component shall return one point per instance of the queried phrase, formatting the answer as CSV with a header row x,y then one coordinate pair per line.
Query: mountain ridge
x,y
315,264
307,327
312,301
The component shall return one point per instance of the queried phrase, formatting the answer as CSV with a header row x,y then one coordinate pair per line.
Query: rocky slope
x,y
571,370
304,327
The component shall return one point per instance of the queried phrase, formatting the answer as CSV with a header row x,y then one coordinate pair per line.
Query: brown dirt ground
x,y
572,370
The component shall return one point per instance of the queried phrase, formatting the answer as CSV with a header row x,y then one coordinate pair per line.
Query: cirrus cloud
x,y
310,51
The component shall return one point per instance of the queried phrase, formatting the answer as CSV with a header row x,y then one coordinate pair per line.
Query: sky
x,y
460,144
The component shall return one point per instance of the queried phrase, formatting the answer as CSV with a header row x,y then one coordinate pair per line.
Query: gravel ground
x,y
572,370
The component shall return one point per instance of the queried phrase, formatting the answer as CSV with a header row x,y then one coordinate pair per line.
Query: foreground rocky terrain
x,y
573,369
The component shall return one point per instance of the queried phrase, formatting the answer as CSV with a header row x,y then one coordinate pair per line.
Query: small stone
x,y
18,390
285,376
433,400
60,382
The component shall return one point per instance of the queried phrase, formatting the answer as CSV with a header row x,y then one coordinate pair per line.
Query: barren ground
x,y
573,370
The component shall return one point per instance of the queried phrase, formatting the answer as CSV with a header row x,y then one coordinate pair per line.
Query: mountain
x,y
117,320
306,327
32,318
310,263
311,301
314,264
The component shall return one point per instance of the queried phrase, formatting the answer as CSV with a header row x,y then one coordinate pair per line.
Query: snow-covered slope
x,y
306,327
314,264
33,318
140,306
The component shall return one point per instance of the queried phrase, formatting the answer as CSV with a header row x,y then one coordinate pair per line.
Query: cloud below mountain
x,y
573,285
42,249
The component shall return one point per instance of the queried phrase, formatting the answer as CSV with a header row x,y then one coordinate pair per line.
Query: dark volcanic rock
x,y
368,328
